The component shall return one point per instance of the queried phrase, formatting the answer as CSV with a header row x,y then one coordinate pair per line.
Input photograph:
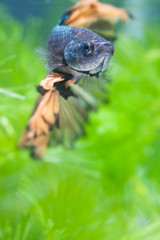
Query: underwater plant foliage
x,y
107,185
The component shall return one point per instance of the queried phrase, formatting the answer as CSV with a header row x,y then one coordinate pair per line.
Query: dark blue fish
x,y
72,54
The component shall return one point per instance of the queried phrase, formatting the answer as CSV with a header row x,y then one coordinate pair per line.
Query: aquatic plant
x,y
107,186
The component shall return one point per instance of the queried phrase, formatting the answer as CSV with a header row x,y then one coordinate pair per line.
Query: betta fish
x,y
73,54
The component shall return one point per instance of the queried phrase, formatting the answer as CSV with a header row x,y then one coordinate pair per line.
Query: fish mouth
x,y
105,47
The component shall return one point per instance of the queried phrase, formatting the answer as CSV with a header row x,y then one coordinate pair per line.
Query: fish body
x,y
72,53
77,51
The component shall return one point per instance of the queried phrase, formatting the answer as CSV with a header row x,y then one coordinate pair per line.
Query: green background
x,y
108,185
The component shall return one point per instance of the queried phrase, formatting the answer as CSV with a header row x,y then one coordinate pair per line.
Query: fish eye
x,y
87,48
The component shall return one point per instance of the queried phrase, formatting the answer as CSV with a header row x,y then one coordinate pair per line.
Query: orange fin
x,y
87,12
44,117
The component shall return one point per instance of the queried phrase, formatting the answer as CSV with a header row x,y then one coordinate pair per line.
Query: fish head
x,y
88,56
